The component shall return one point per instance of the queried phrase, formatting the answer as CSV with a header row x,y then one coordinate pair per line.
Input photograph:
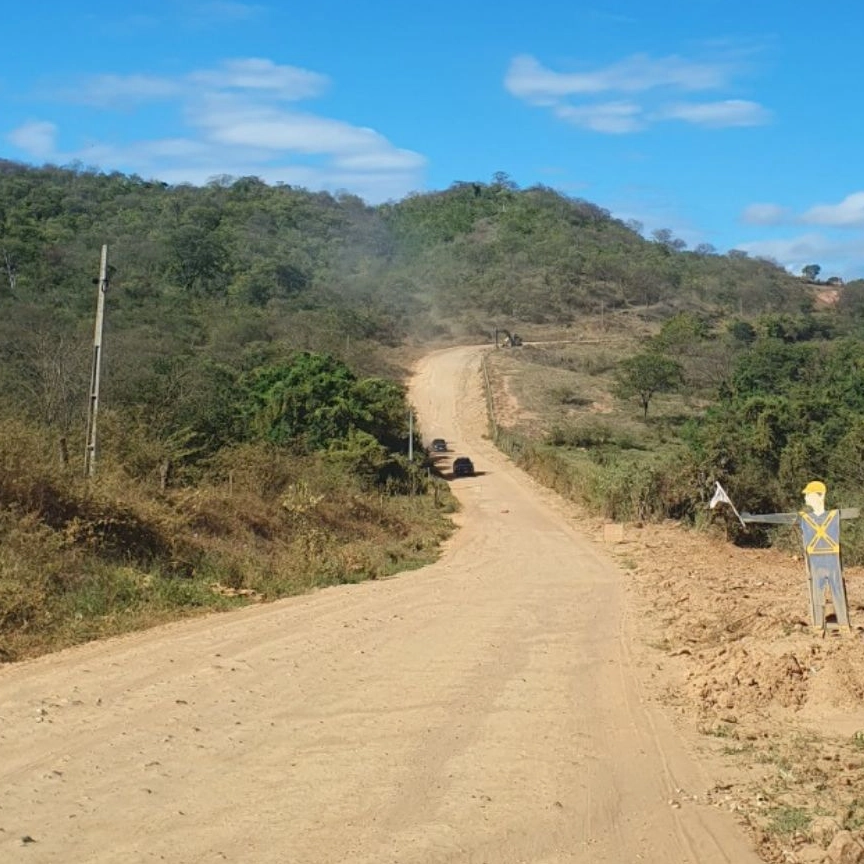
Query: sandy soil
x,y
511,703
780,708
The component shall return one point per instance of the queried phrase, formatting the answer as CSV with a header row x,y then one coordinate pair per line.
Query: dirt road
x,y
488,708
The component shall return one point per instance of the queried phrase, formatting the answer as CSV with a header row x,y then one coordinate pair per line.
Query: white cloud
x,y
639,76
728,112
838,249
264,76
528,79
227,120
790,250
38,138
252,75
611,117
849,212
234,122
282,130
765,214
837,257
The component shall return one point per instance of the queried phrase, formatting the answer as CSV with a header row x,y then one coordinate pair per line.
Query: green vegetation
x,y
253,425
762,406
646,374
789,820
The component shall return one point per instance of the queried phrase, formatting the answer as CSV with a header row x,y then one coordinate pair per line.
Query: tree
x,y
742,331
705,249
43,365
681,334
663,236
195,259
11,267
313,400
811,272
503,180
646,374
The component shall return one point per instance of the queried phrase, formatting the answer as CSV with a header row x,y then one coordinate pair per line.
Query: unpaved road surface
x,y
489,708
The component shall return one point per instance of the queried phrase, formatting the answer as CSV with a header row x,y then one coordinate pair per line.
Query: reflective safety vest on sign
x,y
821,533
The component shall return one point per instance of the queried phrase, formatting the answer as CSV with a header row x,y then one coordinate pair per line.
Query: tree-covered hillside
x,y
496,249
538,256
209,283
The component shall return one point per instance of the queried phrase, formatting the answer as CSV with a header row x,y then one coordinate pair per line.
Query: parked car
x,y
439,445
463,467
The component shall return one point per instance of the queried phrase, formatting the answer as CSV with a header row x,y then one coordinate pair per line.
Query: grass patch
x,y
737,749
721,730
853,818
787,821
592,433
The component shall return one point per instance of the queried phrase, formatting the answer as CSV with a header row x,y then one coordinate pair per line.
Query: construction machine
x,y
510,340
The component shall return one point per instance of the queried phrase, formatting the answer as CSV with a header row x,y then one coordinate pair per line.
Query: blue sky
x,y
730,123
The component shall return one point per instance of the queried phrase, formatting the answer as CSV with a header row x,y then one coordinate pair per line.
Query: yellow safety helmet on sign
x,y
816,486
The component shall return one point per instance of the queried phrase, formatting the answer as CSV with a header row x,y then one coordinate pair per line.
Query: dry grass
x,y
556,414
80,560
540,388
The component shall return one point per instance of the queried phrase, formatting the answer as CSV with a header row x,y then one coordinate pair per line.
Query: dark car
x,y
439,445
463,467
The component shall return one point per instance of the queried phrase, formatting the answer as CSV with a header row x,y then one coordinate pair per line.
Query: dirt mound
x,y
780,706
742,680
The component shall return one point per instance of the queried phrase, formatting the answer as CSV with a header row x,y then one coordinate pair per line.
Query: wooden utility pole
x,y
93,407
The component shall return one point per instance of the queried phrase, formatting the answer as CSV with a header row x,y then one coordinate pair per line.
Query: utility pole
x,y
93,406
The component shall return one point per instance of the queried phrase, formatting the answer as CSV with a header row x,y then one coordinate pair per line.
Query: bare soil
x,y
779,706
535,696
